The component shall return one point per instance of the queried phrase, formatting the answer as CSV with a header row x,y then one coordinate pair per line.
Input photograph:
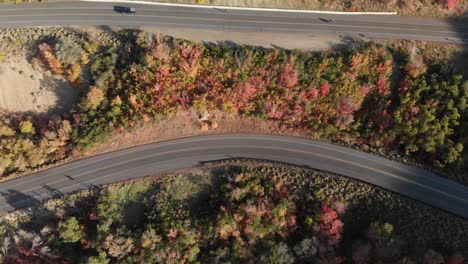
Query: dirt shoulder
x,y
426,8
307,42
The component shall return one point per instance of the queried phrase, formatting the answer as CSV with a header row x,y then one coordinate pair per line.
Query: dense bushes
x,y
344,95
332,94
231,214
429,113
25,145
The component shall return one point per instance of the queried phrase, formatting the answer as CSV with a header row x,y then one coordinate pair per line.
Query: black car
x,y
124,9
328,20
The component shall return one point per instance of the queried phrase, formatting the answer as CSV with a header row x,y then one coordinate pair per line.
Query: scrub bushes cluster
x,y
366,95
229,214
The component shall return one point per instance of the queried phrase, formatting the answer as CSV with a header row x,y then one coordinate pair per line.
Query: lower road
x,y
247,21
161,157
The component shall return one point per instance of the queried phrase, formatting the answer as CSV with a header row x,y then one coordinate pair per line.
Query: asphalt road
x,y
91,13
184,153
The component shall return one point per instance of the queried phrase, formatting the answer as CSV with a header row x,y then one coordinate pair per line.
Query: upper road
x,y
184,153
97,13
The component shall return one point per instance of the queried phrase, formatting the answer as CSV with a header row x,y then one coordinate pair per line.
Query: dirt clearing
x,y
309,42
23,88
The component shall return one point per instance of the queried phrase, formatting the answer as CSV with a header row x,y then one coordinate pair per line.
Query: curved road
x,y
183,153
97,13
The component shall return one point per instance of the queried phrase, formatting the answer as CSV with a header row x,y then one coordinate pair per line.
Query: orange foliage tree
x,y
48,56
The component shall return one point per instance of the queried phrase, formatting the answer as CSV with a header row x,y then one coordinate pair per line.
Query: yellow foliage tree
x,y
94,98
26,127
73,73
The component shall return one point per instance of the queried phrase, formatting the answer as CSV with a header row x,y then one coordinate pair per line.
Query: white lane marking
x,y
303,22
382,161
244,8
441,39
267,157
36,195
251,147
318,144
360,154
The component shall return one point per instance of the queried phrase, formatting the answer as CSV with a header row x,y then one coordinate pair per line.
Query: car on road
x,y
328,20
124,9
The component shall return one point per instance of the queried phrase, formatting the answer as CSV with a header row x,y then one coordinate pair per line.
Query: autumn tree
x,y
451,4
6,131
73,74
118,247
26,127
330,226
47,54
253,207
94,97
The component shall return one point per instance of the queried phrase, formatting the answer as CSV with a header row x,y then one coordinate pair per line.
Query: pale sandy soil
x,y
26,89
309,42
302,41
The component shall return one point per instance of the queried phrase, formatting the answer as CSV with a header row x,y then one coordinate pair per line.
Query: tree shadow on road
x,y
18,200
52,191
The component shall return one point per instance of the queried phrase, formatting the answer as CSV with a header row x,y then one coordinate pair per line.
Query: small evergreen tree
x,y
70,230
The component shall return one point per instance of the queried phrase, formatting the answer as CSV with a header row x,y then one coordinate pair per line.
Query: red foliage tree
x,y
324,89
356,61
382,87
385,67
311,94
365,89
451,4
244,92
158,50
331,227
347,106
289,76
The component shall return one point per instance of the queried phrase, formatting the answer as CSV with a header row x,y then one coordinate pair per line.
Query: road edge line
x,y
245,8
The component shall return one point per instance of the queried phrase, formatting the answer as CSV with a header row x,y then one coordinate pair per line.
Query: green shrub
x,y
68,51
70,230
26,127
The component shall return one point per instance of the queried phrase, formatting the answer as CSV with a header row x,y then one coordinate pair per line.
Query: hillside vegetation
x,y
369,96
234,213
